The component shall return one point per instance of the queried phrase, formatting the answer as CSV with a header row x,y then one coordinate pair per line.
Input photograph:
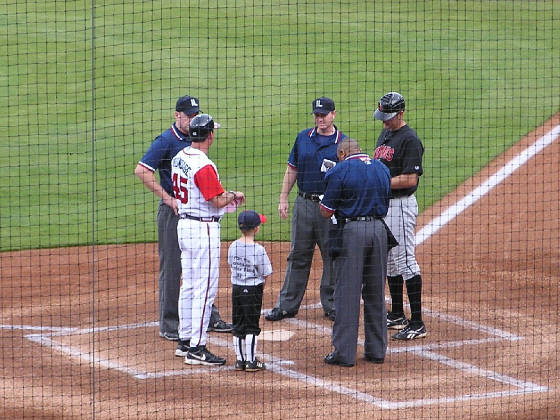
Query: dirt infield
x,y
79,336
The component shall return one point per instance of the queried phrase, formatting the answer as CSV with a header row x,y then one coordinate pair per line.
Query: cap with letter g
x,y
249,219
323,105
188,105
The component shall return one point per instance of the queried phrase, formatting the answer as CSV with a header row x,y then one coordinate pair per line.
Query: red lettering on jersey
x,y
384,152
180,188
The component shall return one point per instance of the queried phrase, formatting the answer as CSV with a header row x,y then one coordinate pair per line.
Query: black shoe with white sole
x,y
200,355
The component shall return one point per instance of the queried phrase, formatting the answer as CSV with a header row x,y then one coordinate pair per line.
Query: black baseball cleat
x,y
200,355
277,314
219,326
254,366
331,315
396,321
182,348
411,332
333,359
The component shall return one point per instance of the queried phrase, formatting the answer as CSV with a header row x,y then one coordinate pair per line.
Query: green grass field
x,y
84,90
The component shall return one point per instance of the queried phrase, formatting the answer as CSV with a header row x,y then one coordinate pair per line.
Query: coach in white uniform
x,y
201,199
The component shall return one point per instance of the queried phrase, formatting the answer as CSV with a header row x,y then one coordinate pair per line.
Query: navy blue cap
x,y
188,105
323,105
249,219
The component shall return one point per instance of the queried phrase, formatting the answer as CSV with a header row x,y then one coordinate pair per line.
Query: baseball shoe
x,y
220,326
254,366
277,314
410,332
169,336
332,359
396,321
377,360
240,364
182,348
202,356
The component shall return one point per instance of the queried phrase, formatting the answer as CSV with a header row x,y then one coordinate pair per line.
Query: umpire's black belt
x,y
360,219
200,219
307,196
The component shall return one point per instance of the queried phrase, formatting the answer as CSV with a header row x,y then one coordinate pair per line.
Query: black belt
x,y
307,196
360,219
200,219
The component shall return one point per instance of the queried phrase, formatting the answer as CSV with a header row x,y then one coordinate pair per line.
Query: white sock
x,y
250,347
239,346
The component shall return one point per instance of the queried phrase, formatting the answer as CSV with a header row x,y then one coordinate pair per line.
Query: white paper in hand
x,y
327,164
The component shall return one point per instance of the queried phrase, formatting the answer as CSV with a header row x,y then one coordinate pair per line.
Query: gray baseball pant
x,y
309,228
360,273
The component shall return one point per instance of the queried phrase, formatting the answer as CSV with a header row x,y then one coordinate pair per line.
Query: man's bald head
x,y
346,147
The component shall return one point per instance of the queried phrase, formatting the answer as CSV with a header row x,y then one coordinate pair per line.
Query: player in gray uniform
x,y
250,266
399,147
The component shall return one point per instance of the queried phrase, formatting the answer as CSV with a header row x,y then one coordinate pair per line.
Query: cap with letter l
x,y
388,106
323,105
188,105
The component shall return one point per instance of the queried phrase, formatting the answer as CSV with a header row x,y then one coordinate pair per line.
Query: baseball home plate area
x,y
80,340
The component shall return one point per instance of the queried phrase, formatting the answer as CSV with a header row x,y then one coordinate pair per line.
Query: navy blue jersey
x,y
401,151
307,156
159,155
356,187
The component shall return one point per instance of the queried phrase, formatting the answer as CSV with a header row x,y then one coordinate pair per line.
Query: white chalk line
x,y
275,364
453,211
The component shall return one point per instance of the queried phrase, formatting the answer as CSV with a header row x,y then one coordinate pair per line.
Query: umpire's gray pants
x,y
309,228
170,272
360,272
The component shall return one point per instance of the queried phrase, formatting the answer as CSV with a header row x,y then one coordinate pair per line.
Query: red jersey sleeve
x,y
206,179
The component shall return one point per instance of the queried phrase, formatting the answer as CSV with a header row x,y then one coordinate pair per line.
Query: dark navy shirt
x,y
159,155
307,156
356,187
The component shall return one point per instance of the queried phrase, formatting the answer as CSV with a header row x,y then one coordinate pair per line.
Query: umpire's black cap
x,y
323,105
188,105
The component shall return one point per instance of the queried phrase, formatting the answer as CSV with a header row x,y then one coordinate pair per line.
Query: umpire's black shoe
x,y
371,359
169,336
333,359
277,314
331,315
182,348
219,326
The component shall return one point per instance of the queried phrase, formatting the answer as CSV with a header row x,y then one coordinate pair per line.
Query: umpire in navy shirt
x,y
311,147
357,193
158,158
